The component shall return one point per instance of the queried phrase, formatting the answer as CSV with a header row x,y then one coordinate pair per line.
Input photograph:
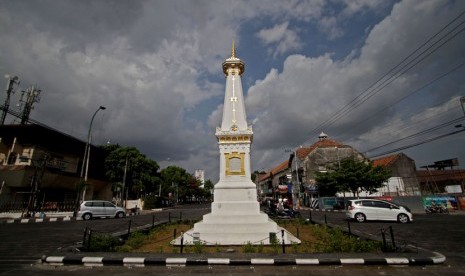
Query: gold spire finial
x,y
233,50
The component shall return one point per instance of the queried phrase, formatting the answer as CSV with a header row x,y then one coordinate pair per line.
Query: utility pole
x,y
9,91
297,197
124,197
39,170
28,98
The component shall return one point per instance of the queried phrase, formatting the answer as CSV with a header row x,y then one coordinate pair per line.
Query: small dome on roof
x,y
322,136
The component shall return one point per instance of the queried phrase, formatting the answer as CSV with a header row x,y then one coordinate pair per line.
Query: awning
x,y
282,189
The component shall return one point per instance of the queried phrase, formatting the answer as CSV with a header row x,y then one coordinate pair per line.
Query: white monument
x,y
235,216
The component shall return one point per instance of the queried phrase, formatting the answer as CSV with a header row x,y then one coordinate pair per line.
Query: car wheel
x,y
120,215
87,216
359,217
402,218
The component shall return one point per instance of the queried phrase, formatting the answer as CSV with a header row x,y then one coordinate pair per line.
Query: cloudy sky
x,y
374,74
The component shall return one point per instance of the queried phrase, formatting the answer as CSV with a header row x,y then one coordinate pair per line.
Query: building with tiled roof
x,y
301,171
403,180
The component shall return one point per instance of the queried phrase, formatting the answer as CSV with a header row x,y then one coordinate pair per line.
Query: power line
x,y
420,133
419,143
379,84
371,116
366,96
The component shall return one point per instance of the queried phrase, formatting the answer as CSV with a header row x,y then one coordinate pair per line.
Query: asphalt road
x,y
444,233
23,244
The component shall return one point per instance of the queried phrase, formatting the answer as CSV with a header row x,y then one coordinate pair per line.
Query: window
x,y
381,204
368,203
97,204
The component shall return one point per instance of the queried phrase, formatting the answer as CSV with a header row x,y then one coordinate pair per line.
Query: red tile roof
x,y
281,167
325,143
301,153
386,161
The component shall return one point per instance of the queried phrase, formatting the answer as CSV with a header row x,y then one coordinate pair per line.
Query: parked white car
x,y
99,208
373,209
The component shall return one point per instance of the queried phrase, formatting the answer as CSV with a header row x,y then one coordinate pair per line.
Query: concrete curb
x,y
151,261
38,220
48,219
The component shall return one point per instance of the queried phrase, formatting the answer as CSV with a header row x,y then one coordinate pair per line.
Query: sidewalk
x,y
54,216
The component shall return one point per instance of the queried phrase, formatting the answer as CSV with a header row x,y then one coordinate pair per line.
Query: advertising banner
x,y
436,203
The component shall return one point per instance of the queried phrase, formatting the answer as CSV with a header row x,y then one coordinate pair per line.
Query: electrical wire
x,y
371,116
455,121
379,84
417,144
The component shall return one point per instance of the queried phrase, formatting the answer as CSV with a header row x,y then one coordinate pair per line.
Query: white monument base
x,y
235,220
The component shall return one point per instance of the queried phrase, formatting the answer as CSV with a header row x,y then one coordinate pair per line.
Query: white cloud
x,y
356,6
310,89
285,40
330,26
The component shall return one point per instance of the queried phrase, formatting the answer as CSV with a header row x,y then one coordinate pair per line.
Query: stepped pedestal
x,y
236,220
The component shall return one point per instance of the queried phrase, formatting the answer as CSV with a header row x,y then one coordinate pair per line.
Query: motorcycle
x,y
285,214
436,209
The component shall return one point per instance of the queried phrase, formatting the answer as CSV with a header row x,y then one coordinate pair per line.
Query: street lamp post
x,y
296,187
87,152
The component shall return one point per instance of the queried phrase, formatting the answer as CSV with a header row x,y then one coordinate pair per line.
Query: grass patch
x,y
314,238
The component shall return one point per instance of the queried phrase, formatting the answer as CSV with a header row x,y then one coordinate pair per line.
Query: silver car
x,y
373,209
99,208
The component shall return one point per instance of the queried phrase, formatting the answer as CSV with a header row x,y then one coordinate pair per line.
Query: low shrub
x,y
100,242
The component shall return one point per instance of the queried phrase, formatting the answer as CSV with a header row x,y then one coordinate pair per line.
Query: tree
x,y
126,166
208,188
181,184
351,175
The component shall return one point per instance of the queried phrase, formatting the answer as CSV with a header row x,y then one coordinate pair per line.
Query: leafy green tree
x,y
208,188
127,166
179,183
352,175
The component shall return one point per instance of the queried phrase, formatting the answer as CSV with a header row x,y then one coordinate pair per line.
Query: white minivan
x,y
99,208
373,209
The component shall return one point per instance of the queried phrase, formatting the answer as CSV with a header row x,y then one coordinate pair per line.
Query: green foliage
x,y
198,247
207,189
295,247
143,177
351,175
248,248
153,201
105,243
275,245
134,241
141,172
181,184
334,240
